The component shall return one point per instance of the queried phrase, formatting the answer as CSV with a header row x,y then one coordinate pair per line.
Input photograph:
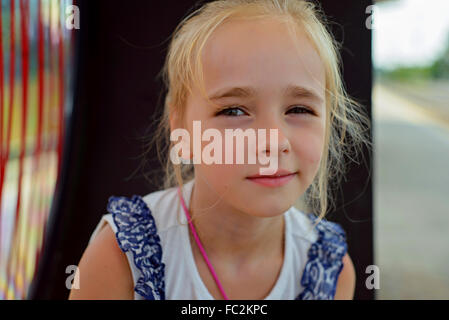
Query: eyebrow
x,y
244,92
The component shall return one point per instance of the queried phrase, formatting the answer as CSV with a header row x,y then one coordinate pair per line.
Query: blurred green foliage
x,y
438,69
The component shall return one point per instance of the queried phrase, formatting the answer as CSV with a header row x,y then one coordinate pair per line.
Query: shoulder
x,y
137,234
103,271
326,259
346,280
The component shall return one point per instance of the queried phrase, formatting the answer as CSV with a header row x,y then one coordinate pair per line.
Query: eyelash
x,y
222,112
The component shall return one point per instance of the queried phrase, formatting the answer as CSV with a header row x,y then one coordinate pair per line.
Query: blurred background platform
x,y
411,190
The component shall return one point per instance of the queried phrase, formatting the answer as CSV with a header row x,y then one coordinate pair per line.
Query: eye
x,y
299,109
231,112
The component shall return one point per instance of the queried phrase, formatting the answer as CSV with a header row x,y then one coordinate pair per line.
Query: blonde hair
x,y
346,123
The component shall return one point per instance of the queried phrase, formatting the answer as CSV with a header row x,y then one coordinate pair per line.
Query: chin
x,y
273,203
269,209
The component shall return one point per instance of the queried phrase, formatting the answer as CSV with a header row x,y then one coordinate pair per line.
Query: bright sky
x,y
409,32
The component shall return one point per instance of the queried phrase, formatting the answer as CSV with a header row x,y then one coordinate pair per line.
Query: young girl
x,y
224,231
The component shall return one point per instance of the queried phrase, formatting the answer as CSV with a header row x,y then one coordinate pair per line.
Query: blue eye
x,y
231,112
299,109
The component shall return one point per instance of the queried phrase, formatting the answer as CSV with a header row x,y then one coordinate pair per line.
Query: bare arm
x,y
346,280
104,272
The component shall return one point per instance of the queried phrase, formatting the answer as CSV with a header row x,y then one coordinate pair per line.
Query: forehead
x,y
260,53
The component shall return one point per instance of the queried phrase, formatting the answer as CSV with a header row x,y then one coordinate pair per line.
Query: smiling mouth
x,y
276,180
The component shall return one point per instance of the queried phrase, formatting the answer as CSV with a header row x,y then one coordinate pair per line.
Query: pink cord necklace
x,y
198,242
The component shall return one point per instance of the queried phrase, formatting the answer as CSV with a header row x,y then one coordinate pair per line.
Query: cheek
x,y
219,175
309,147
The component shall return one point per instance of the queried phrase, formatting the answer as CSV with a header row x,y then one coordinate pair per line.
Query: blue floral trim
x,y
324,262
137,232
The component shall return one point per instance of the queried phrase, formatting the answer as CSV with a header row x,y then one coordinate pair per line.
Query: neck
x,y
233,237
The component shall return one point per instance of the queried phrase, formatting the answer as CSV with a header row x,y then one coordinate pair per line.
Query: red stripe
x,y
12,72
41,56
1,121
61,96
21,265
37,154
50,73
49,142
25,72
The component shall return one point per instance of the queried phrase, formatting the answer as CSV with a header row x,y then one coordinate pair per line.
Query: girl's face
x,y
280,88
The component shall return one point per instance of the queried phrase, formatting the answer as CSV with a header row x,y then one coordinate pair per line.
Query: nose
x,y
282,143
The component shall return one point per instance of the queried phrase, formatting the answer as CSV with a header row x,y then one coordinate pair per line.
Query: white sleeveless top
x,y
160,257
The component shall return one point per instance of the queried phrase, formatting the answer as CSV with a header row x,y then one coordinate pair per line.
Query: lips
x,y
280,178
279,173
